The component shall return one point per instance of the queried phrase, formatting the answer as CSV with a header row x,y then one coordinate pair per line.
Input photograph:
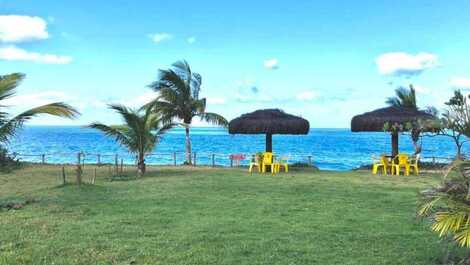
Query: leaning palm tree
x,y
179,99
10,125
140,132
406,98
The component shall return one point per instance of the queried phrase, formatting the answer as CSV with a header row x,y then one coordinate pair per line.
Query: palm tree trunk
x,y
188,146
141,165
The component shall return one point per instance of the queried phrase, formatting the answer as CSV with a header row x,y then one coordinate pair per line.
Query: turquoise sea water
x,y
337,149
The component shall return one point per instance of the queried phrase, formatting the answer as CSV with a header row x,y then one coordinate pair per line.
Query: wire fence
x,y
179,158
173,159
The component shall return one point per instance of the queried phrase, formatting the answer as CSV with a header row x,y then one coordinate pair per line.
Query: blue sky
x,y
323,60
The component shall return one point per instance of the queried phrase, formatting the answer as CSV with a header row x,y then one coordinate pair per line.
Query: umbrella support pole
x,y
269,142
394,144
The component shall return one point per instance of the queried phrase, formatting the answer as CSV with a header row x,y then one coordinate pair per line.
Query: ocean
x,y
328,149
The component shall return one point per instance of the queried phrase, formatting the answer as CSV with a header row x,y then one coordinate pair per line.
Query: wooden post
x,y
63,176
213,160
269,142
98,158
394,144
174,159
194,159
122,165
94,177
116,165
43,159
79,169
231,161
310,160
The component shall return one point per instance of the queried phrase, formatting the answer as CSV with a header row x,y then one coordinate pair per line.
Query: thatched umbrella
x,y
269,122
375,121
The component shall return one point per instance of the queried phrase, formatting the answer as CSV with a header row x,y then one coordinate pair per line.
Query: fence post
x,y
94,177
174,159
433,160
213,160
98,157
116,165
43,159
79,169
231,161
63,176
122,163
194,159
310,160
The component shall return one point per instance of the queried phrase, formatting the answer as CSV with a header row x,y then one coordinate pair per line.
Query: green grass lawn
x,y
215,216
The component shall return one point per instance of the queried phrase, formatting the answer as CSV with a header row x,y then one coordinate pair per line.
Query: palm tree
x,y
10,125
406,98
140,132
403,98
179,99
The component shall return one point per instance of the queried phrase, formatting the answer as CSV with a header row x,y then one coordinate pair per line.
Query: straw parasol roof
x,y
273,121
269,122
374,121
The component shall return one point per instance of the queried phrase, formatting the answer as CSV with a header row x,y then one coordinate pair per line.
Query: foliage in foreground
x,y
10,125
447,206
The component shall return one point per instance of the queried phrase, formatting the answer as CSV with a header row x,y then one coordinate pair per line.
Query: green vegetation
x,y
9,125
140,132
186,215
179,99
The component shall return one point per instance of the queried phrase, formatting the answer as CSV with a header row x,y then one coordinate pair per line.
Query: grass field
x,y
215,216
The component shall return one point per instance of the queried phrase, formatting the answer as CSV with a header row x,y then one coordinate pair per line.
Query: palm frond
x,y
117,132
10,127
213,118
8,84
403,98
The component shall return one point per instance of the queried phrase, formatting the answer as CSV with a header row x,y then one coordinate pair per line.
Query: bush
x,y
8,162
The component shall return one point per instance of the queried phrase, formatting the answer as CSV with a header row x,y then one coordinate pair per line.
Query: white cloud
x,y
400,63
460,82
159,37
38,99
422,89
191,40
271,64
216,100
15,28
12,53
306,95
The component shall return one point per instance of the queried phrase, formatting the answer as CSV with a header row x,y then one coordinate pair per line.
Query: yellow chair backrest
x,y
267,158
383,160
403,159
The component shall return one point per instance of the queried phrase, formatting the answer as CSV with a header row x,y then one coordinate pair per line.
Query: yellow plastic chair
x,y
380,163
282,162
268,161
255,162
399,162
414,161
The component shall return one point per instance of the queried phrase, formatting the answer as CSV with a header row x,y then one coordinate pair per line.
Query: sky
x,y
323,60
